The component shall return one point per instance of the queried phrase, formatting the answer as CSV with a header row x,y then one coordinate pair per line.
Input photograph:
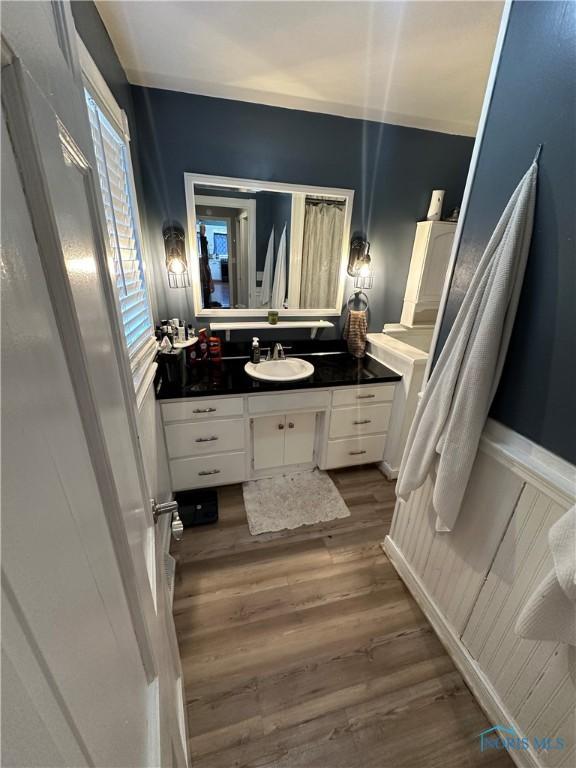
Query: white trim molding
x,y
479,684
551,474
98,87
471,583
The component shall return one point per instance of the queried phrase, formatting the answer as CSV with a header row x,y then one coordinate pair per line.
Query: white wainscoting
x,y
472,583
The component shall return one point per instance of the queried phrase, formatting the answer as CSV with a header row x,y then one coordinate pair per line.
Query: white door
x,y
83,635
268,442
299,438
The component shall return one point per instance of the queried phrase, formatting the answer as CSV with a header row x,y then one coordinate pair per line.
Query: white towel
x,y
279,286
451,415
266,289
550,612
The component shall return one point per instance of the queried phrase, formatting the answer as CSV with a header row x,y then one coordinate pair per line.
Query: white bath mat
x,y
290,501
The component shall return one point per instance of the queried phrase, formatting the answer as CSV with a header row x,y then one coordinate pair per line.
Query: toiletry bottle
x,y
215,346
255,353
203,343
190,331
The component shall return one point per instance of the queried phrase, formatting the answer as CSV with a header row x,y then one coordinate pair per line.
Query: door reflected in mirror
x,y
261,246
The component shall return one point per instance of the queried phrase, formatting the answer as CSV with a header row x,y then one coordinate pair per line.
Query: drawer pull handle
x,y
364,397
209,472
363,421
356,453
206,439
203,410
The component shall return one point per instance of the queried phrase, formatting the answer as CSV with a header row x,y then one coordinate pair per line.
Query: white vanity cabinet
x,y
284,440
205,441
359,420
220,440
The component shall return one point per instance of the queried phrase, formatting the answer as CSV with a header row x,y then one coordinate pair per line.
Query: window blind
x,y
117,195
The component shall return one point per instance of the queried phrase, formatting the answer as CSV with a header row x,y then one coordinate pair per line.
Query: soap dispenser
x,y
255,353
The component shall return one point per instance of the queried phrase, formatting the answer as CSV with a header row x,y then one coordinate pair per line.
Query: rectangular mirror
x,y
255,246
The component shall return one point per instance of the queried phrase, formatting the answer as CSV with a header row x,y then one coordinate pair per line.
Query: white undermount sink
x,y
291,369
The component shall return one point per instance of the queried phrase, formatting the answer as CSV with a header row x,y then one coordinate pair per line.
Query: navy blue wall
x,y
392,170
533,102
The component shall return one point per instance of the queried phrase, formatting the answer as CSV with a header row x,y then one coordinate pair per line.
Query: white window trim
x,y
144,374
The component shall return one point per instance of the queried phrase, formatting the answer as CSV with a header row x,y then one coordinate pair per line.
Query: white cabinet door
x,y
280,441
268,442
299,438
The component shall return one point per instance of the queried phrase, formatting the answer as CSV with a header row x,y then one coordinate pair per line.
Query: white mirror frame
x,y
298,192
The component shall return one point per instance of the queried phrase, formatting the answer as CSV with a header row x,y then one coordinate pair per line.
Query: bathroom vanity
x,y
223,427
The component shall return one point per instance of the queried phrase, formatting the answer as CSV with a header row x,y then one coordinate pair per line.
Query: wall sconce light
x,y
364,280
359,258
176,262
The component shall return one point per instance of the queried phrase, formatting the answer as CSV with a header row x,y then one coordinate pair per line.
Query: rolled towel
x,y
355,332
550,612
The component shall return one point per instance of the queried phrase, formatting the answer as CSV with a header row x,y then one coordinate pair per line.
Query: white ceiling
x,y
422,64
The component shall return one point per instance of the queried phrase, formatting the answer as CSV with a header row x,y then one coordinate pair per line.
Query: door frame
x,y
240,203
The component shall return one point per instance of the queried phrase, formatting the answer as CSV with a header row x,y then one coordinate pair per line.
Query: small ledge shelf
x,y
313,325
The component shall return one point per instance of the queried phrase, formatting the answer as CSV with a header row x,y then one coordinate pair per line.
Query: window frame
x,y
141,374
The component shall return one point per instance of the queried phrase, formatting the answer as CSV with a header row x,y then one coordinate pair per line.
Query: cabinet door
x,y
299,438
268,442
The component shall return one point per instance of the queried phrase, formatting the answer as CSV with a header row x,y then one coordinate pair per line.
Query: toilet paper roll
x,y
435,209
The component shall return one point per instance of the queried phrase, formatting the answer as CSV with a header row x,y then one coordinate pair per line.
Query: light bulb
x,y
177,266
364,270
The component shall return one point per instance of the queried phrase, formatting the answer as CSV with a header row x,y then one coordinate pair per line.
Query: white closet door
x,y
299,441
268,442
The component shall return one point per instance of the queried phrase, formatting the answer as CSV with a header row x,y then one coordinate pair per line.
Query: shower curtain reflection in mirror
x,y
321,248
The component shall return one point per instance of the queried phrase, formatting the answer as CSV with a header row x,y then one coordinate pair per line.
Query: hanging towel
x,y
451,415
279,286
355,331
266,289
550,612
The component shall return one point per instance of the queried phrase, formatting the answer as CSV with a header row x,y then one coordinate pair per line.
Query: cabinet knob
x,y
280,426
290,425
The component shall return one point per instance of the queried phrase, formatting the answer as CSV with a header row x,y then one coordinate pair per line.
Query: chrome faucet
x,y
278,352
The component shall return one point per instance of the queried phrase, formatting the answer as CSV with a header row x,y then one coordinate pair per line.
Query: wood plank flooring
x,y
303,649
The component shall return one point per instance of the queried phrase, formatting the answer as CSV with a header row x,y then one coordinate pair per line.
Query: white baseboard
x,y
388,471
476,680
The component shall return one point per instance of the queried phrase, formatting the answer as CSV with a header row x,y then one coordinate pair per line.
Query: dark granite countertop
x,y
333,367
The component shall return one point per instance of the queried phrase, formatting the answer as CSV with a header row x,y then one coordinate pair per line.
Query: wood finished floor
x,y
303,649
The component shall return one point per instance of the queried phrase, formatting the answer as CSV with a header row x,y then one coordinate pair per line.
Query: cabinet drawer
x,y
202,471
199,438
189,410
365,395
362,420
354,450
293,401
